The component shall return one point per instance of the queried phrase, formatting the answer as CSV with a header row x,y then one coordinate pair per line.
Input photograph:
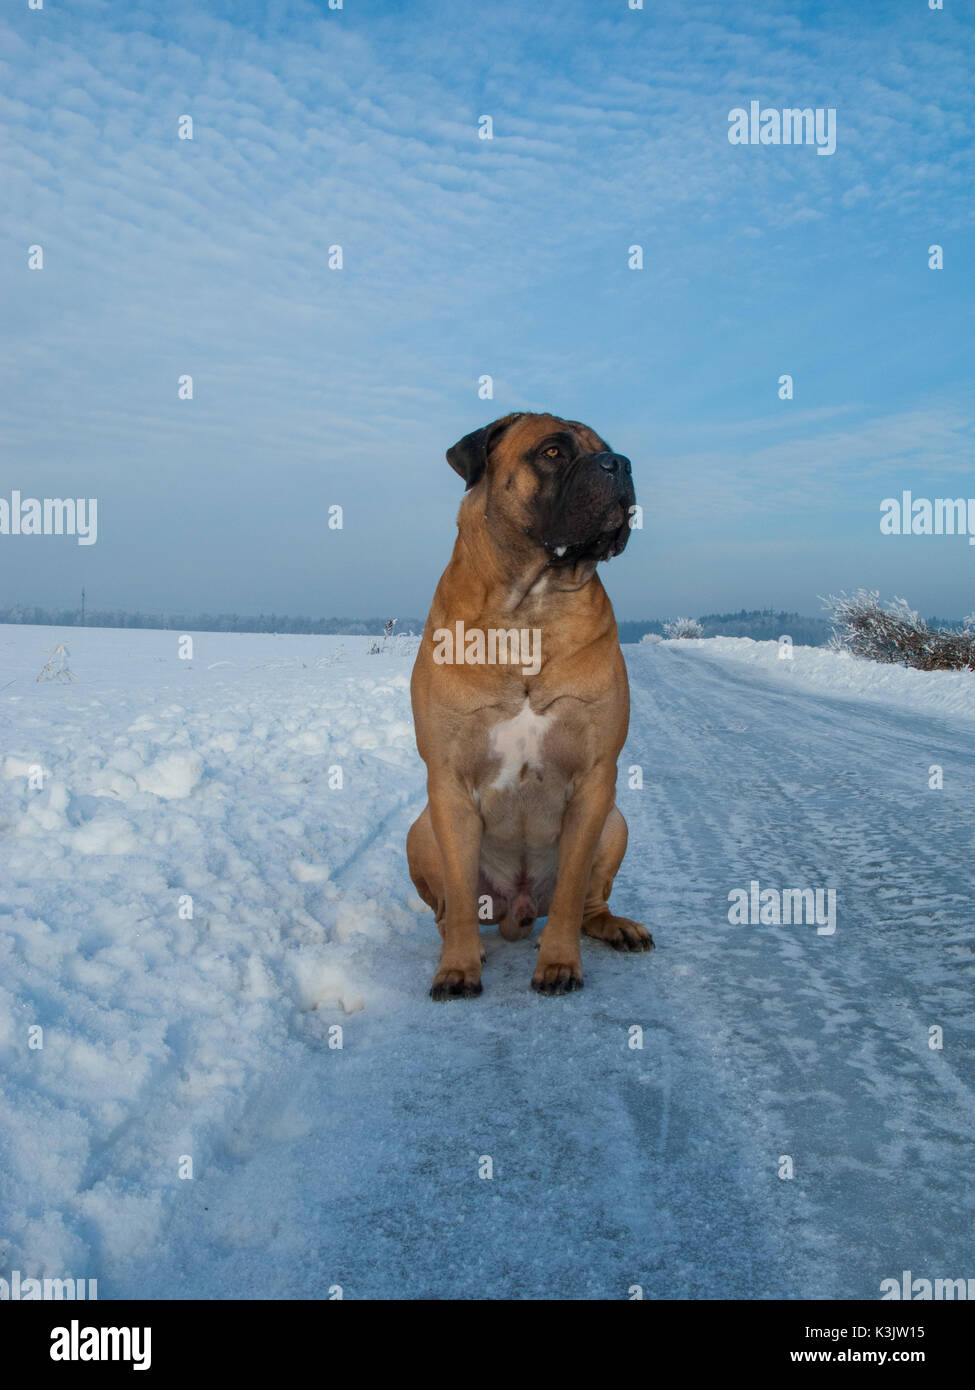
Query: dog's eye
x,y
552,452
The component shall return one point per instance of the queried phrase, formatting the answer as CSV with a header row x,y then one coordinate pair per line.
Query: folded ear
x,y
469,455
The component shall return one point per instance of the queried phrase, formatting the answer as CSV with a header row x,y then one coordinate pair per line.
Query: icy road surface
x,y
170,1039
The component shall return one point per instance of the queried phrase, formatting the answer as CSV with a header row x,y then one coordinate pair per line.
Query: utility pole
x,y
82,605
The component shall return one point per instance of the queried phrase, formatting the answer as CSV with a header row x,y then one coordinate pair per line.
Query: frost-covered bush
x,y
651,637
895,634
684,627
57,668
395,643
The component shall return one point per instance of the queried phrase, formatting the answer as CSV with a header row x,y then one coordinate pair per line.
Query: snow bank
x,y
950,693
170,927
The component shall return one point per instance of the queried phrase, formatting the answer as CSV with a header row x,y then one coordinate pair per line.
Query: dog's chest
x,y
516,747
523,782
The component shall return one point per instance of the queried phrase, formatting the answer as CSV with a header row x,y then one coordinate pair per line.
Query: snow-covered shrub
x,y
895,634
404,644
395,643
684,627
57,668
651,637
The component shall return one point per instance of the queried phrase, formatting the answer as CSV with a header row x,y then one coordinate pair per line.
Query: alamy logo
x,y
790,126
77,1343
20,1290
920,1290
498,646
920,516
50,516
755,906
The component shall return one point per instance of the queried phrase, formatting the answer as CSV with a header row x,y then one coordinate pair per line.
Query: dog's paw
x,y
618,932
557,977
451,982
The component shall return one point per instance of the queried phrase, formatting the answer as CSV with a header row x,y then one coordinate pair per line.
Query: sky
x,y
466,257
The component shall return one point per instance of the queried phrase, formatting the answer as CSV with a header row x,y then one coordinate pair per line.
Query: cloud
x,y
461,256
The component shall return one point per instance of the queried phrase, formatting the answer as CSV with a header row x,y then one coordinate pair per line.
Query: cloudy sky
x,y
463,257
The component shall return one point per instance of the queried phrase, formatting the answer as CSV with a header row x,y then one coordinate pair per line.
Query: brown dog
x,y
521,705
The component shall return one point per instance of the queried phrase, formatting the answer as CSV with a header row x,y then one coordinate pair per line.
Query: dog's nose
x,y
613,463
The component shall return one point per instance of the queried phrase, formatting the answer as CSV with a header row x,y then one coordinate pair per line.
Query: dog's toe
x,y
619,932
633,937
455,984
557,978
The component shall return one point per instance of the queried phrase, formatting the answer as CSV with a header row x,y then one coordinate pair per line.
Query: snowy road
x,y
613,1167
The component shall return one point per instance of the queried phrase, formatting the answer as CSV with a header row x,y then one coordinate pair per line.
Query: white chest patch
x,y
518,743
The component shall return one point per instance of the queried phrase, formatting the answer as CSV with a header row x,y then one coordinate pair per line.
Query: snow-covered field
x,y
153,787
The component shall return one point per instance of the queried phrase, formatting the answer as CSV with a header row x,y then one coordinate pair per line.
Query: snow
x,y
836,673
265,787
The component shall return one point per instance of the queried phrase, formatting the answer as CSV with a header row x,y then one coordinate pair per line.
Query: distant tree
x,y
199,622
683,627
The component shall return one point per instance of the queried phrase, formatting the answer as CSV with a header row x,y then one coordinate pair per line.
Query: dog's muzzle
x,y
589,518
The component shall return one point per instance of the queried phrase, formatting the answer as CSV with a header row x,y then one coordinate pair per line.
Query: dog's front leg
x,y
457,827
559,967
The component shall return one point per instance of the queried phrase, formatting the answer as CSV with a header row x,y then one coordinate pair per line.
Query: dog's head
x,y
552,482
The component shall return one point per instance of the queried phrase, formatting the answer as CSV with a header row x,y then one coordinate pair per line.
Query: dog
x,y
521,746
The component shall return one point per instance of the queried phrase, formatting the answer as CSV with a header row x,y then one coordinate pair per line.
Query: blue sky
x,y
463,257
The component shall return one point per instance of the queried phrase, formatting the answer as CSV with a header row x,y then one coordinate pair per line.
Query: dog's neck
x,y
515,575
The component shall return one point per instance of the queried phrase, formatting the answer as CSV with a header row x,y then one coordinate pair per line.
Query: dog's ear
x,y
469,455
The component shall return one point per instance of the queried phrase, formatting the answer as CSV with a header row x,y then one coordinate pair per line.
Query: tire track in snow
x,y
841,1069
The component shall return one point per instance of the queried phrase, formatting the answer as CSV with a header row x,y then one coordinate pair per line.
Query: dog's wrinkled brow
x,y
565,437
587,433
